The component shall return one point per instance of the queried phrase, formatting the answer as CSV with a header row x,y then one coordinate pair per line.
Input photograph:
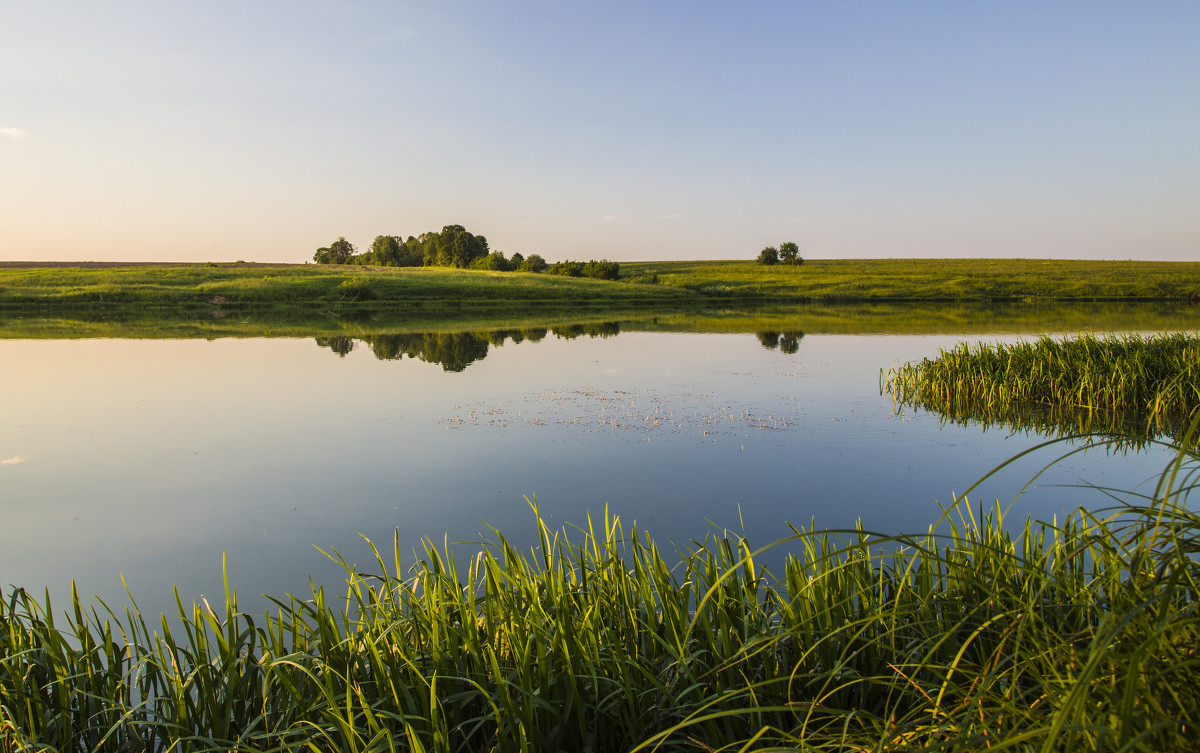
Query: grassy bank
x,y
652,284
927,279
197,286
1081,634
1150,385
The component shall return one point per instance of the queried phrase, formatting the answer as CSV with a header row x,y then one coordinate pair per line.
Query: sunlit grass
x,y
928,279
264,284
1075,634
678,283
1116,383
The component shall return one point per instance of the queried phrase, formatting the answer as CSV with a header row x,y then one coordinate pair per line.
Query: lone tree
x,y
789,253
768,256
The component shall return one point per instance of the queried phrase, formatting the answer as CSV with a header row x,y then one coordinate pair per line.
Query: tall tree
x,y
339,252
789,253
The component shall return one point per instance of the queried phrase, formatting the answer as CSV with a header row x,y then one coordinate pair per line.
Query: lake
x,y
152,459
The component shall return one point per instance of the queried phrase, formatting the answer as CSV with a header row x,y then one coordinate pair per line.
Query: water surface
x,y
152,459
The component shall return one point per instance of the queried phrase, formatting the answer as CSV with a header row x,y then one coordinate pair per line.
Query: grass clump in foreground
x,y
1148,384
1081,634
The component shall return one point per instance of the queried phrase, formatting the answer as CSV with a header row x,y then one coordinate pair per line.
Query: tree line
x,y
455,246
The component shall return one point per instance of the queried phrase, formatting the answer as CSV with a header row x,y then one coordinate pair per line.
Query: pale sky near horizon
x,y
263,129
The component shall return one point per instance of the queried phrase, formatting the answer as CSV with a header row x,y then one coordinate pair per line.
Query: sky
x,y
264,129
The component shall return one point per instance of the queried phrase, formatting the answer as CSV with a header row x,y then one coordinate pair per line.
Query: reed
x,y
1146,386
1075,634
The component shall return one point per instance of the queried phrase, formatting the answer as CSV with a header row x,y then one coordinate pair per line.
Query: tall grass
x,y
1074,634
1150,385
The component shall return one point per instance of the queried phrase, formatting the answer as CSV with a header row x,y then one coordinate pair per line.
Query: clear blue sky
x,y
262,129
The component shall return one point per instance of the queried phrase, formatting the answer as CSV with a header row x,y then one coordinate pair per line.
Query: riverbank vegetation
x,y
1075,634
1121,384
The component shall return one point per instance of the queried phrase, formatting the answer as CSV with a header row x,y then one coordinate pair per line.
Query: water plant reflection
x,y
1129,386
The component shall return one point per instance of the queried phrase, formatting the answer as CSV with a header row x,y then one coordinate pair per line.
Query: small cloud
x,y
12,460
14,133
609,217
670,216
794,219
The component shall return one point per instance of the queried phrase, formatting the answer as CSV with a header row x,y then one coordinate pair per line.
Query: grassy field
x,y
928,279
1078,634
652,284
242,285
1147,385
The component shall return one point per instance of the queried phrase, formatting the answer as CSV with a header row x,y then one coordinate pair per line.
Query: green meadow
x,y
927,279
258,285
643,284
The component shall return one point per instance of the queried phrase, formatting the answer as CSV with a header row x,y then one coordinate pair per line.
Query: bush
x,y
355,289
533,263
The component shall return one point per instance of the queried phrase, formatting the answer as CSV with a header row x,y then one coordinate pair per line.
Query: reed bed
x,y
1145,386
1075,634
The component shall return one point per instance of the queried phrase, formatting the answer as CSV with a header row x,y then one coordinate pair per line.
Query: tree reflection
x,y
339,344
594,329
455,351
785,342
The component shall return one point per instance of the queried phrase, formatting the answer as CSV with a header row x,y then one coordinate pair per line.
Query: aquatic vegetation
x,y
1122,385
1076,634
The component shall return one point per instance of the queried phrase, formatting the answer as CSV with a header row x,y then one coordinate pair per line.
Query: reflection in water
x,y
1123,431
339,344
786,342
455,351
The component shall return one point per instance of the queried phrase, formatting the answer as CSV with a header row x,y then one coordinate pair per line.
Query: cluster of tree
x,y
454,246
785,253
601,270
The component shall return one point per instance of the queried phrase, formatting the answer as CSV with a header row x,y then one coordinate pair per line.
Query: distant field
x,y
642,284
927,279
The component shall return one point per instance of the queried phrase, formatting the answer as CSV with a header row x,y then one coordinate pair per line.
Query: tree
x,y
769,256
386,250
494,262
339,252
789,253
532,263
455,247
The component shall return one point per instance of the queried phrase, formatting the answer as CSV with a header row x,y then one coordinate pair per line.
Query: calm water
x,y
152,458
